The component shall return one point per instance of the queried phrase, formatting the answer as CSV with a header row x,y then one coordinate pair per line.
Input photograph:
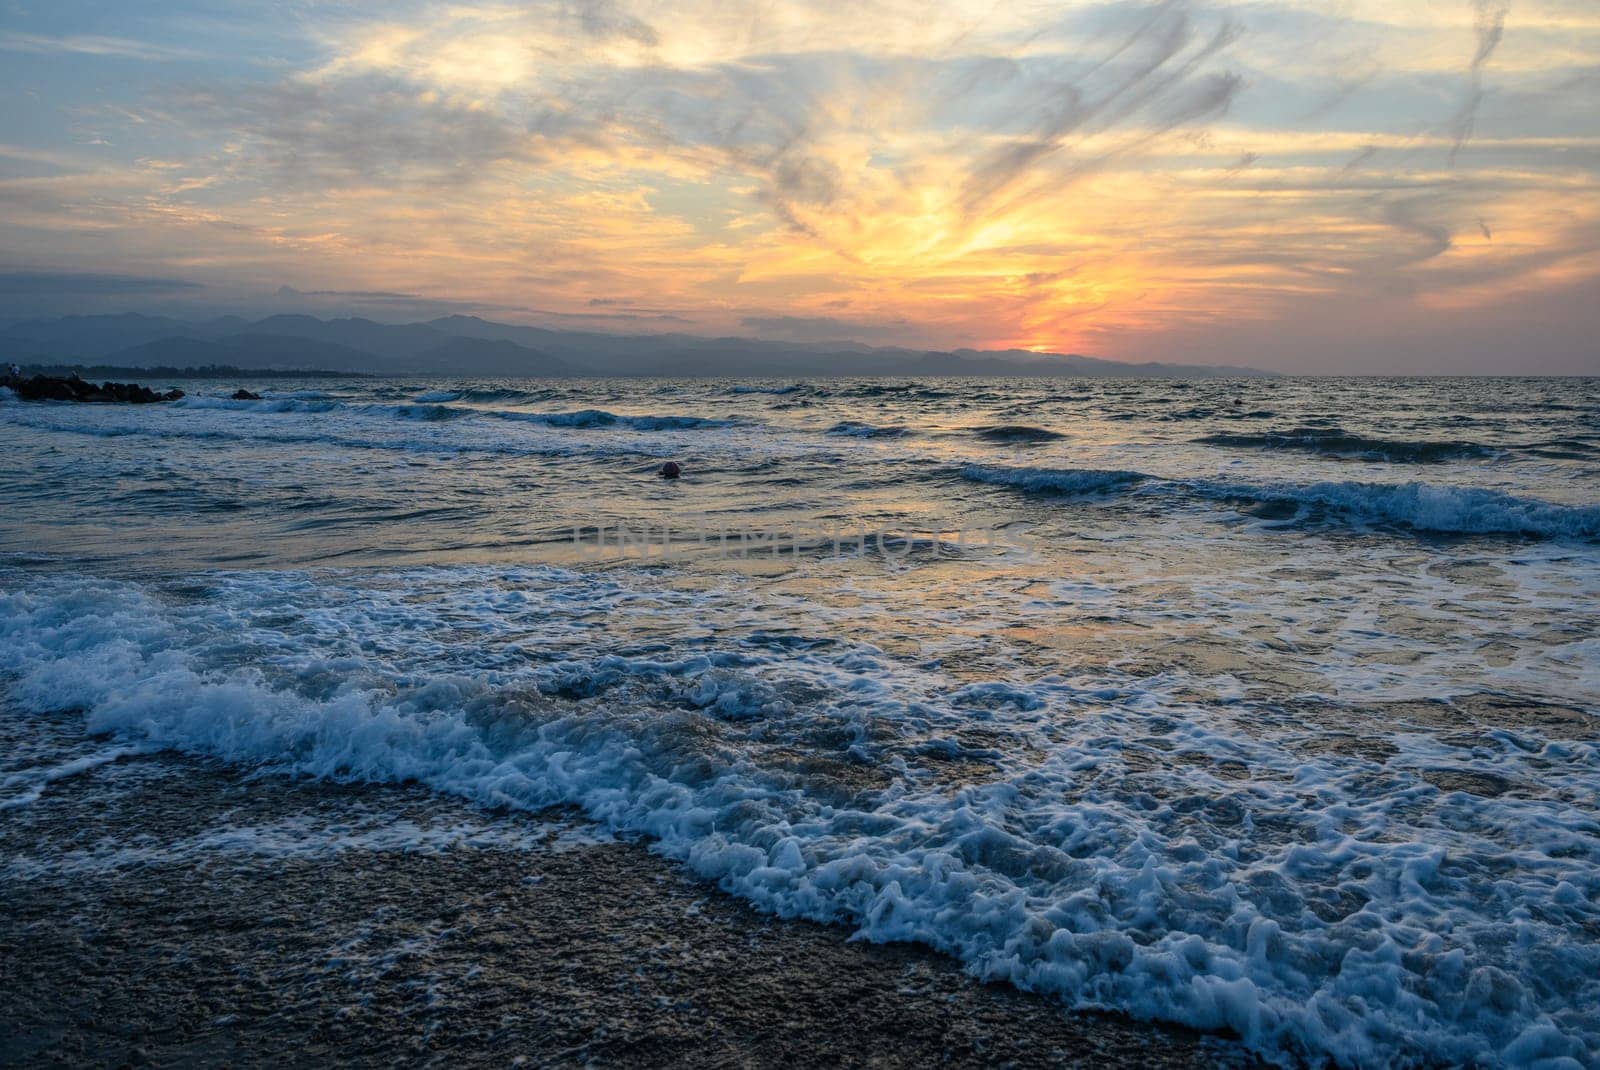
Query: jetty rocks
x,y
72,388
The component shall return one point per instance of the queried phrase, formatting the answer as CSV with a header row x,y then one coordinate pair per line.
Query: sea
x,y
1268,707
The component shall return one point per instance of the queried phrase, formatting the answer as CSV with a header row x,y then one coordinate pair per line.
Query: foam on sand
x,y
1323,907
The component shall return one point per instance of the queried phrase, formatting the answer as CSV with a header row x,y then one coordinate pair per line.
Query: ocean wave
x,y
1384,933
496,395
792,388
1016,433
1563,449
1054,480
423,413
1423,507
855,429
368,434
426,413
1202,413
271,404
890,390
430,412
1420,507
590,418
1337,442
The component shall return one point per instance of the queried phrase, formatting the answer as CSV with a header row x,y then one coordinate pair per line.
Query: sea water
x,y
1263,706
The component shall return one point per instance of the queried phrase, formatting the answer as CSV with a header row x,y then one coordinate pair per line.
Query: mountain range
x,y
470,346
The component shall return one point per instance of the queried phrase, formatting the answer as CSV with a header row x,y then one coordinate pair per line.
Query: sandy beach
x,y
161,911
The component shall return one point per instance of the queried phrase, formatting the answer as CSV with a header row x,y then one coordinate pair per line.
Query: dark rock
x,y
72,388
242,394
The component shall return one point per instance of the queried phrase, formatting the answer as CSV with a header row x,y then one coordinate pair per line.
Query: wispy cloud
x,y
366,129
1070,176
1489,25
93,45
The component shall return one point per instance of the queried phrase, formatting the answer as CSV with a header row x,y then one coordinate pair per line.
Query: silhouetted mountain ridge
x,y
468,345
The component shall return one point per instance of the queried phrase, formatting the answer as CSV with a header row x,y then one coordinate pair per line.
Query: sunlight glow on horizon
x,y
1135,181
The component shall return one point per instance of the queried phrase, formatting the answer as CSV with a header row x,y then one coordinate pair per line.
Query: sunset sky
x,y
1355,186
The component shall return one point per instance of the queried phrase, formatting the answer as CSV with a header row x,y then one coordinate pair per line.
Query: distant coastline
x,y
469,346
209,371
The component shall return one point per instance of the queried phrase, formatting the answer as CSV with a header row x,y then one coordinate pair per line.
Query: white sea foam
x,y
1323,905
312,837
28,785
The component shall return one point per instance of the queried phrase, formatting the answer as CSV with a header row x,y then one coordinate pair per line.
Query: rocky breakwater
x,y
72,388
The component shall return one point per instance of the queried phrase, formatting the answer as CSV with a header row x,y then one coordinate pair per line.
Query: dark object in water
x,y
242,394
71,388
670,470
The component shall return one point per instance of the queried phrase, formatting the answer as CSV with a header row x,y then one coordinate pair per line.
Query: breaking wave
x,y
1425,507
1367,929
498,395
1420,507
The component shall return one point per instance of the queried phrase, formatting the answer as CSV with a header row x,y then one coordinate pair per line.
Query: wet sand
x,y
156,910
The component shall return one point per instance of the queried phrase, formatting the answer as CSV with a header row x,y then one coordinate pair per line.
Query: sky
x,y
1330,186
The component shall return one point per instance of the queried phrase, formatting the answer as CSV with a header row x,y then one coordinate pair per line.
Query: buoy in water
x,y
670,470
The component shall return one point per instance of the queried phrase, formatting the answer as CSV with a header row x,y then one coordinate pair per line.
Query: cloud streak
x,y
94,45
1076,176
1489,25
